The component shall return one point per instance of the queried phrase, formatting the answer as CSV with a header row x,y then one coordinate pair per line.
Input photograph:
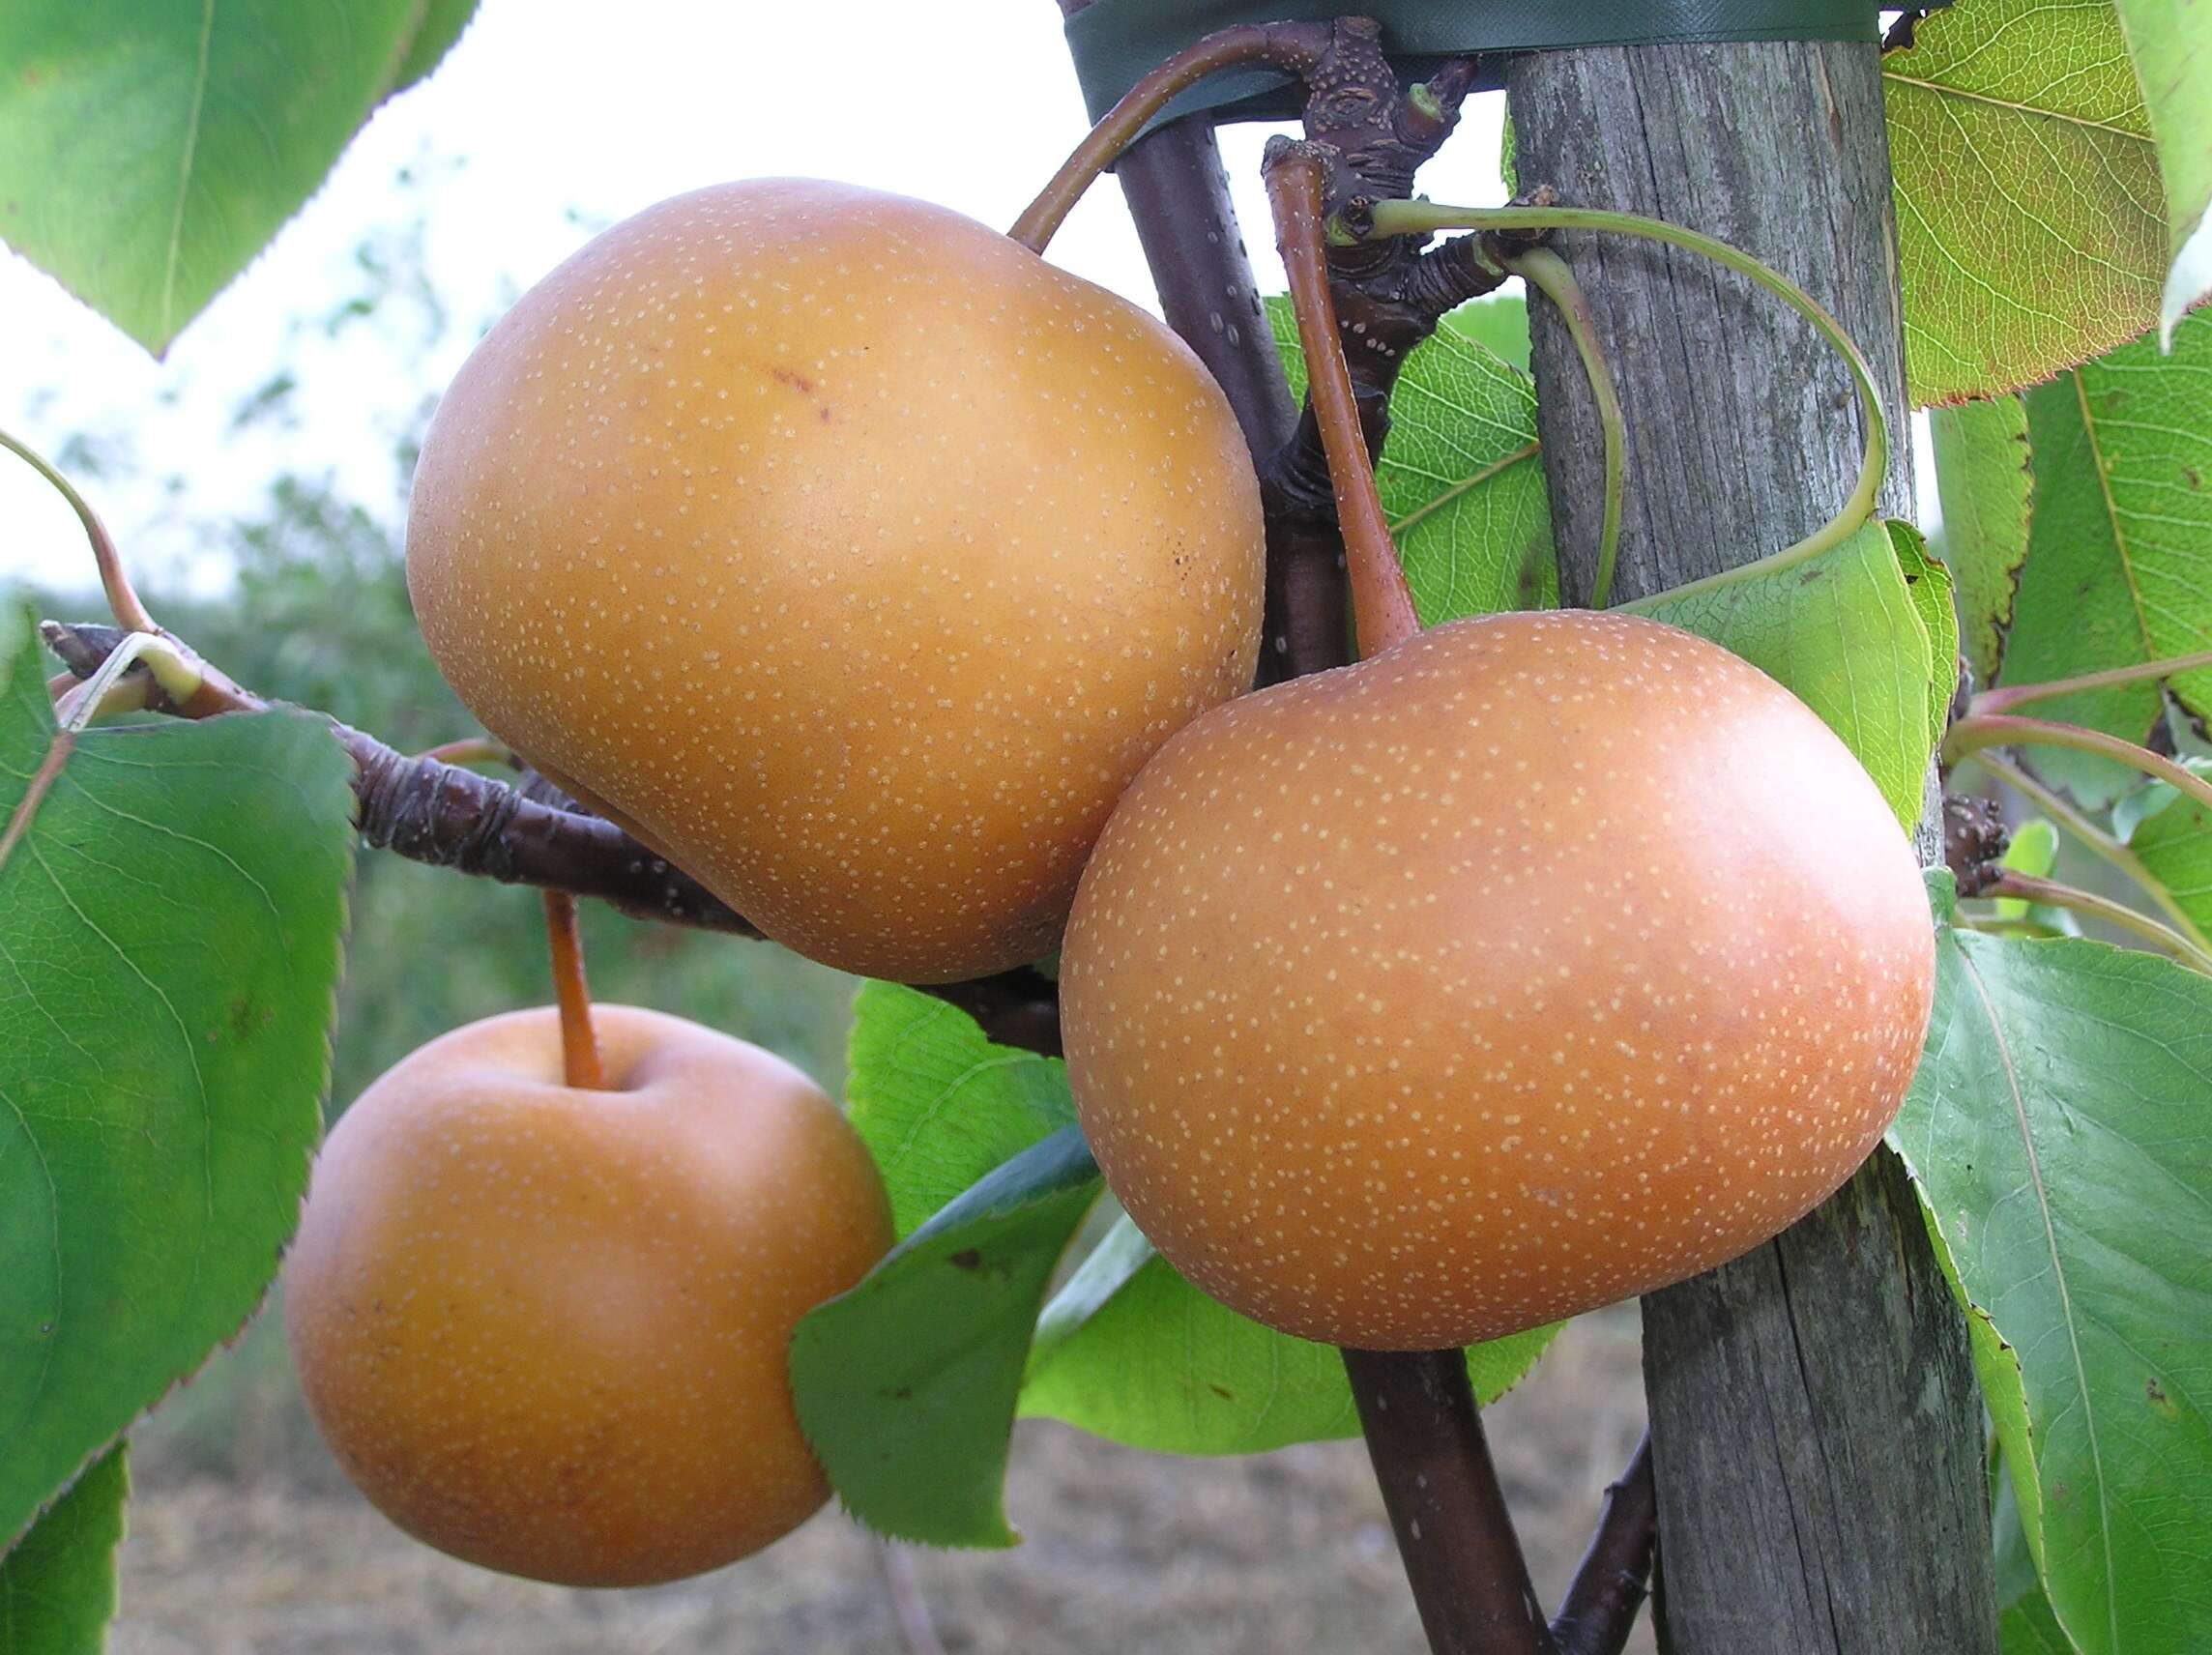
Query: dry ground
x,y
1129,1554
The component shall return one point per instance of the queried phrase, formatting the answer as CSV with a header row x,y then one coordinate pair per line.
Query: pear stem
x,y
1381,602
1548,272
1424,218
472,750
2006,697
123,600
2094,839
580,1063
2026,887
1292,46
2003,730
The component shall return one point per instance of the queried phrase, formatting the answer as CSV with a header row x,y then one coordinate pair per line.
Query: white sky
x,y
560,122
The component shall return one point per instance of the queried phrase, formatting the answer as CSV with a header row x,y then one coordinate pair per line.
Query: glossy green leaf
x,y
1499,324
1842,632
57,1586
1987,487
1130,1350
906,1383
440,28
1459,477
1928,583
2060,1129
2120,569
2030,220
171,897
2171,42
149,151
937,1103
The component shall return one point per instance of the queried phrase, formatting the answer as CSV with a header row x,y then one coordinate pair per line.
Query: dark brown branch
x,y
1424,1435
453,818
1614,1575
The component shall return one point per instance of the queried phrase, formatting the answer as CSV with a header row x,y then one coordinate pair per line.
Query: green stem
x,y
1425,217
1543,269
129,612
2011,695
2026,888
2000,730
2094,839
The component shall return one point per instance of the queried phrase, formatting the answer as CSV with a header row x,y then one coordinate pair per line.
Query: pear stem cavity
x,y
580,1063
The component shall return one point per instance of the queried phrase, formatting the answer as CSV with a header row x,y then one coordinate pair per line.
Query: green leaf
x,y
937,1103
2060,1129
1130,1350
443,21
1460,479
2120,568
2172,836
2171,42
906,1383
1844,633
2026,1625
1987,487
2031,229
1928,583
149,151
1499,324
57,1586
2034,852
171,897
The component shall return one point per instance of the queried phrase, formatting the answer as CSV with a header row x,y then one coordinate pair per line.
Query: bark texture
x,y
1816,1429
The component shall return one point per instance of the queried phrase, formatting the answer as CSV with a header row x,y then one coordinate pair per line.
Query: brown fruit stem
x,y
1381,602
580,1064
1292,46
1424,1435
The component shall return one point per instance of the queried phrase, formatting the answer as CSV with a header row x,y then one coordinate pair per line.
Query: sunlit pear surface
x,y
1540,961
846,552
543,1328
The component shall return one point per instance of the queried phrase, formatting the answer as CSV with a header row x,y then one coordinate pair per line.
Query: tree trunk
x,y
1816,1429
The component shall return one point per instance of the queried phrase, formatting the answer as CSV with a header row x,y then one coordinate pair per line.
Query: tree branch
x,y
452,818
1614,1575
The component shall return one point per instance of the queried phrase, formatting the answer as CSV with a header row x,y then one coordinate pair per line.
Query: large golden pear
x,y
848,553
1540,961
544,1329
